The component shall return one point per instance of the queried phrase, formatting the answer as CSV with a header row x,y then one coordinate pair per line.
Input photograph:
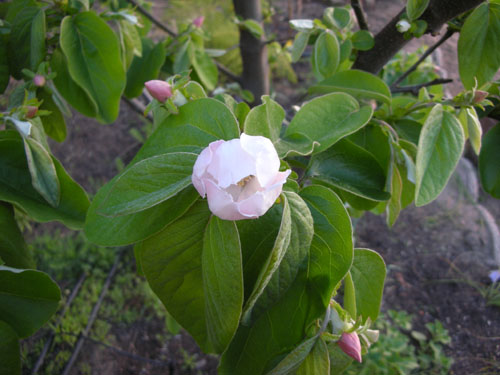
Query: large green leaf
x,y
322,122
326,55
295,358
299,44
439,148
489,162
16,188
13,249
204,67
93,54
222,281
368,276
478,53
285,269
10,353
144,67
53,124
317,362
361,85
130,42
259,348
198,123
349,167
37,39
415,8
75,95
20,43
265,119
43,171
148,183
172,263
28,298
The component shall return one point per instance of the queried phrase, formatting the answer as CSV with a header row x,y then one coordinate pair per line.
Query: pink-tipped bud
x,y
32,110
198,21
39,80
350,345
160,90
479,96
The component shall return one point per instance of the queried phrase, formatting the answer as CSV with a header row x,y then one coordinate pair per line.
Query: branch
x,y
360,14
166,29
414,89
431,49
389,40
137,106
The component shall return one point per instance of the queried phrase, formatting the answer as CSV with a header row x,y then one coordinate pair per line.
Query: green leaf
x,y
339,361
439,148
37,40
261,266
415,8
356,83
326,55
222,281
130,42
204,67
172,263
408,129
363,40
75,95
20,44
394,205
16,187
478,55
350,296
489,162
145,67
295,358
285,271
4,65
334,116
93,55
317,362
28,299
337,17
10,351
259,348
299,45
253,27
368,275
53,124
43,171
13,249
472,127
148,183
181,59
265,120
351,168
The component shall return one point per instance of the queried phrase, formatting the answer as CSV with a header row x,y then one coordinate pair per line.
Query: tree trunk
x,y
389,41
253,51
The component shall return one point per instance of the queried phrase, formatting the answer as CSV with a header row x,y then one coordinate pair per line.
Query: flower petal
x,y
201,164
231,163
221,203
267,162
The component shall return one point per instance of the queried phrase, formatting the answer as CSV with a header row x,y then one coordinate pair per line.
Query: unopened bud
x,y
198,21
479,96
350,345
32,110
39,80
160,90
403,26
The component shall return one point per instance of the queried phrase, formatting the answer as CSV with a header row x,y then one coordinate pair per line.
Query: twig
x,y
166,29
48,343
431,49
360,14
124,353
138,107
93,315
415,88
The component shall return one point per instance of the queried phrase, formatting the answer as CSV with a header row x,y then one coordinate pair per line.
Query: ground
x,y
433,253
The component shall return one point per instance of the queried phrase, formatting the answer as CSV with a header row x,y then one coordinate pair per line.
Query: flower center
x,y
245,180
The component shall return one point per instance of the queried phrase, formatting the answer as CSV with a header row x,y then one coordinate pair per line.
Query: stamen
x,y
244,180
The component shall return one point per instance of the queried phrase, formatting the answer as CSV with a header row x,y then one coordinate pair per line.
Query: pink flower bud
x,y
479,96
32,110
39,80
350,345
160,90
198,21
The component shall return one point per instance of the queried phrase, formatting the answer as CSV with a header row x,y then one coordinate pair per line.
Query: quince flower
x,y
350,345
198,21
160,90
240,177
403,26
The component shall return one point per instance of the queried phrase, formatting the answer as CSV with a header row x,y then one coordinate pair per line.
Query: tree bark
x,y
389,40
253,51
